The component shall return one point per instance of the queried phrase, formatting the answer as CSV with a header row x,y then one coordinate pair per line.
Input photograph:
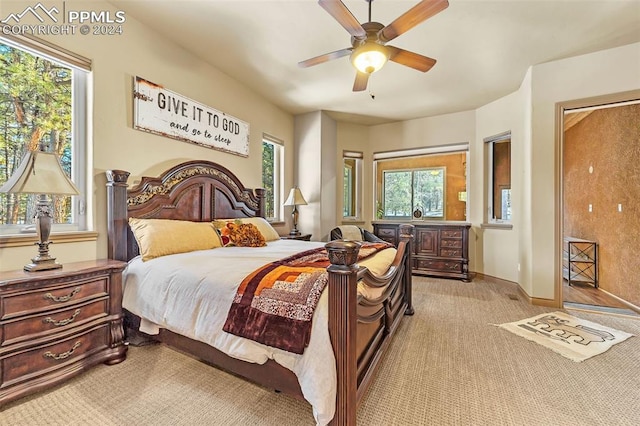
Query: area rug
x,y
571,337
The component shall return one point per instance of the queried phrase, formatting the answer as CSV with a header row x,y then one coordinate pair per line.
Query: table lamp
x,y
40,173
295,199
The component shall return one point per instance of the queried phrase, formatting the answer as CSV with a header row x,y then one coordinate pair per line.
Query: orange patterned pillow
x,y
236,233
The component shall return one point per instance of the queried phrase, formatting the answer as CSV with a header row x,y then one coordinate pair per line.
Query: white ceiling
x,y
483,48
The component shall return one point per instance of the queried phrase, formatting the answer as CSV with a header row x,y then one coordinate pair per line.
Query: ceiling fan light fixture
x,y
369,57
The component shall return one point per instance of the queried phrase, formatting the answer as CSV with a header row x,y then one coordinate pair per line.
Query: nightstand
x,y
56,324
302,237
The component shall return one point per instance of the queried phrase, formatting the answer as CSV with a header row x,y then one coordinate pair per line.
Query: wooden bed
x,y
360,329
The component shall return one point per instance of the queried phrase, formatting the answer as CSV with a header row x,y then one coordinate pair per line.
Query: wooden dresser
x,y
440,249
56,324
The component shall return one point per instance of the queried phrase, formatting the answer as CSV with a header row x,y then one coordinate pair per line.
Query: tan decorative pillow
x,y
161,237
236,233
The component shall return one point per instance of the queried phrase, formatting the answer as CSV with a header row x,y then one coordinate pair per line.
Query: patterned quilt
x,y
274,304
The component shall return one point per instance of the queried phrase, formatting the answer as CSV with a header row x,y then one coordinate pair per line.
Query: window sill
x,y
60,237
496,226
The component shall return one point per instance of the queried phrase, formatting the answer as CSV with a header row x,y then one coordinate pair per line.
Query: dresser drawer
x,y
438,265
388,235
26,365
52,297
451,233
46,323
451,252
387,232
445,243
390,240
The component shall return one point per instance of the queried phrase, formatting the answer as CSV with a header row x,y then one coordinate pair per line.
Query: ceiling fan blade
x,y
412,17
410,59
362,78
326,57
340,13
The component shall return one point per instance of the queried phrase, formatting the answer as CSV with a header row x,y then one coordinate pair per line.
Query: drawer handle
x,y
66,298
63,355
59,323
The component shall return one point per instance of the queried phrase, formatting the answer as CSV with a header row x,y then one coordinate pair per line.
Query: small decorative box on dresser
x,y
440,249
55,324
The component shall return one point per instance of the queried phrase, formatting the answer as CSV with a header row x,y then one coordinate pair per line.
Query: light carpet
x,y
445,367
574,338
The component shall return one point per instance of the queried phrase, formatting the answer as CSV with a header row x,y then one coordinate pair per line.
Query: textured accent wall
x,y
455,177
602,168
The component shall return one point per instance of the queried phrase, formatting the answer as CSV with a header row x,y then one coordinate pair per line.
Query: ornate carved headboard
x,y
195,190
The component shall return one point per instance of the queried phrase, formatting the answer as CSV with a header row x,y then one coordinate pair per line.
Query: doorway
x,y
600,203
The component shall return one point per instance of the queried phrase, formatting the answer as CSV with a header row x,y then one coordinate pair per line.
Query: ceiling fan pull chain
x,y
373,96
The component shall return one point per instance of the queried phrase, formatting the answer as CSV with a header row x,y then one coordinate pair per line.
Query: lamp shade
x,y
40,173
369,57
295,198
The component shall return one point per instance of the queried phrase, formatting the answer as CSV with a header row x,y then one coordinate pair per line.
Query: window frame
x,y
356,194
278,176
412,153
490,178
414,206
80,137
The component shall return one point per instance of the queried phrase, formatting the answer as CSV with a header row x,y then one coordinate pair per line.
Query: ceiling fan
x,y
368,50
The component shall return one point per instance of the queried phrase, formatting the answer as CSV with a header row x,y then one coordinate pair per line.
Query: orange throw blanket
x,y
274,305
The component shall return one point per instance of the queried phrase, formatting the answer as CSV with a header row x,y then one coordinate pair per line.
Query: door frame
x,y
596,102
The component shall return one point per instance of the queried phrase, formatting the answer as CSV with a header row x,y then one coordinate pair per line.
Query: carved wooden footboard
x,y
360,329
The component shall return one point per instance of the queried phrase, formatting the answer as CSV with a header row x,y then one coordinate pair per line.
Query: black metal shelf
x,y
580,261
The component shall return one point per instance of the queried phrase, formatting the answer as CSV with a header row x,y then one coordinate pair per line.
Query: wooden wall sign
x,y
166,113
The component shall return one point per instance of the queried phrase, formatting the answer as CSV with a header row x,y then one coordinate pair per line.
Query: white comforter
x,y
190,294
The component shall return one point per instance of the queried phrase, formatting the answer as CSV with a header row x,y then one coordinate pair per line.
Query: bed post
x,y
406,235
117,214
343,300
260,194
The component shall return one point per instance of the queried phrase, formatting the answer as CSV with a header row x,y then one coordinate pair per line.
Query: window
x,y
42,104
427,183
498,154
413,193
352,184
272,171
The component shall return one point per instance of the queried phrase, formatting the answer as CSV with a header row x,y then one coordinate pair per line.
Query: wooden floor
x,y
586,294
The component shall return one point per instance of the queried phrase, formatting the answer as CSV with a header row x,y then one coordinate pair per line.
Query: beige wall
x,y
596,74
495,249
355,137
440,130
116,61
316,173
